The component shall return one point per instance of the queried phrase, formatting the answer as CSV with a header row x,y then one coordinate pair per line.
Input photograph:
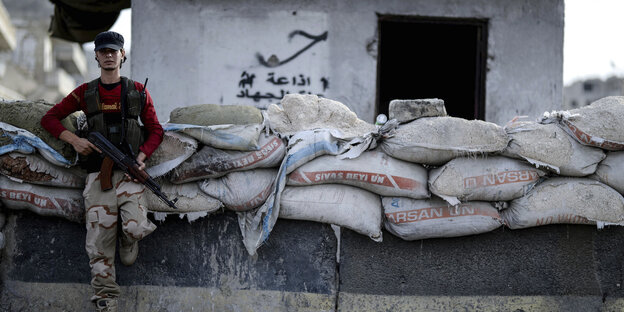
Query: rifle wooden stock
x,y
106,174
126,164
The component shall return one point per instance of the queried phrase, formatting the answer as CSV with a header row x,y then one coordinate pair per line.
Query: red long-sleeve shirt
x,y
110,100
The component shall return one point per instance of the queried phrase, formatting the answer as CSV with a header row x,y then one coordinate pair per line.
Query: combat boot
x,y
128,251
106,305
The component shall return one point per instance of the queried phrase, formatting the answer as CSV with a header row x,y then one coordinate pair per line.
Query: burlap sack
x,y
300,112
212,163
212,114
566,200
27,115
36,170
230,137
174,150
547,146
343,205
242,190
414,219
598,124
611,171
43,200
373,171
190,199
436,140
494,178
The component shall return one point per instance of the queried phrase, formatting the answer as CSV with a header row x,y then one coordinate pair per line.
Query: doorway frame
x,y
482,25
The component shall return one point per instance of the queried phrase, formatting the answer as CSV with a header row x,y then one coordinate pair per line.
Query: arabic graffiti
x,y
274,61
301,84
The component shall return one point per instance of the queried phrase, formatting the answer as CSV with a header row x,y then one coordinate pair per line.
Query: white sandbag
x,y
190,199
436,140
343,205
212,163
43,200
493,178
36,170
23,141
174,150
256,225
547,146
566,200
414,219
299,112
242,190
610,171
598,124
230,137
374,171
27,115
213,114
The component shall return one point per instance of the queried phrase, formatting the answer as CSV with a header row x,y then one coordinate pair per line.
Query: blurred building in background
x,y
36,65
32,64
584,92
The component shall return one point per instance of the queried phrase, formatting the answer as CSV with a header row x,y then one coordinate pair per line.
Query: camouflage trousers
x,y
125,200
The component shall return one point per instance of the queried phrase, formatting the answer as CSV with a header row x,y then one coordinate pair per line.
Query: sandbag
x,y
190,199
213,163
256,225
373,171
241,190
46,201
598,124
493,178
549,147
230,137
22,141
174,150
300,112
610,171
36,170
414,219
566,200
436,140
27,115
213,114
347,206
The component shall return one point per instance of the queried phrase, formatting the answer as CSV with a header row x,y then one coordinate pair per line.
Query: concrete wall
x,y
198,52
203,266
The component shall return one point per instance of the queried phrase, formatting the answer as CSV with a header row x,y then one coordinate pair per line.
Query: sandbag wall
x,y
312,159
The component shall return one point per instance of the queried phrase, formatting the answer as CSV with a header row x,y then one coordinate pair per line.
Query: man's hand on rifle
x,y
81,145
140,160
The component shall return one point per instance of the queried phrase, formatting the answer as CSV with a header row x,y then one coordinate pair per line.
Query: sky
x,y
593,45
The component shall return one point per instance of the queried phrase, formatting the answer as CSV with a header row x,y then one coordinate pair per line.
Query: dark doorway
x,y
421,57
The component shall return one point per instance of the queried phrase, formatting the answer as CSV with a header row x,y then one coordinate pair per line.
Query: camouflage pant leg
x,y
103,209
131,200
101,222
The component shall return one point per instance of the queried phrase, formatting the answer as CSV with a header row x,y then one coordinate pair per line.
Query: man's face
x,y
109,59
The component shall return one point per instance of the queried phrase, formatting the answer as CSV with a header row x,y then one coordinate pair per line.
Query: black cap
x,y
110,40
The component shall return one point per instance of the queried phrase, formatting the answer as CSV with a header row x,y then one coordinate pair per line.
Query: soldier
x,y
113,105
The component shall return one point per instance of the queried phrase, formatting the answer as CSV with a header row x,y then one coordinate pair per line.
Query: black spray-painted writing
x,y
274,61
299,81
246,79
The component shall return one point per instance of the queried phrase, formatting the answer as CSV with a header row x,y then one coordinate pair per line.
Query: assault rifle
x,y
113,156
